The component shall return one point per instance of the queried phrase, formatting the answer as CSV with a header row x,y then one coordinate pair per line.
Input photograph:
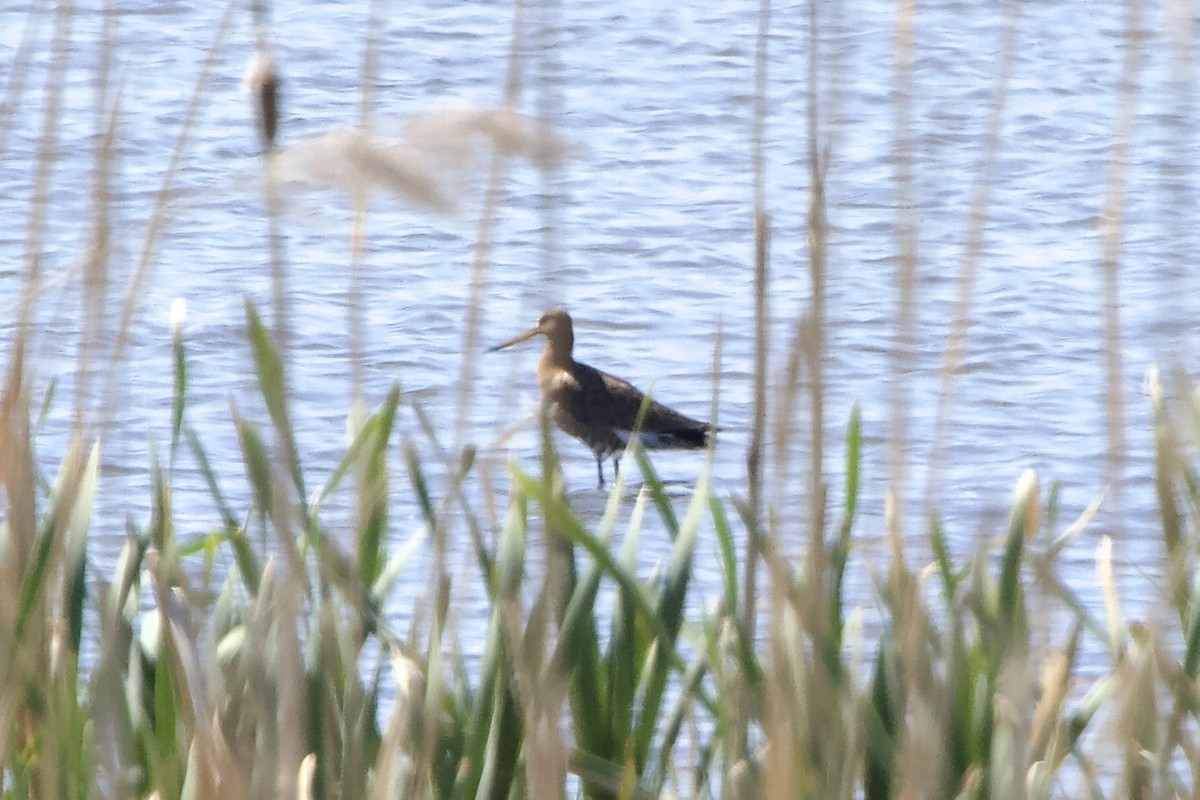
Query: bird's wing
x,y
601,400
615,404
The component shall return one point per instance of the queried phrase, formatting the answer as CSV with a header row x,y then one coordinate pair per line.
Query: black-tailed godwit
x,y
599,409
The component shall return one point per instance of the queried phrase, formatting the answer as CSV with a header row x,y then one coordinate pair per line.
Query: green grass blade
x,y
416,474
606,775
689,687
210,479
395,566
483,554
671,607
269,370
481,725
165,724
257,463
1022,525
882,726
179,391
1191,650
162,529
76,546
578,649
853,464
76,600
941,555
625,646
560,517
47,404
354,453
247,561
658,494
841,549
34,585
725,544
503,747
679,568
373,494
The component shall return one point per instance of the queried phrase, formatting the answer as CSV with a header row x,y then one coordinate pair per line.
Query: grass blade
x,y
269,369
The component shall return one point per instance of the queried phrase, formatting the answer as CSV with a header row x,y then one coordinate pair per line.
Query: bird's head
x,y
555,325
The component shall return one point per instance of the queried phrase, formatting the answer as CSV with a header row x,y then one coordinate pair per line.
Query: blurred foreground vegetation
x,y
268,683
257,661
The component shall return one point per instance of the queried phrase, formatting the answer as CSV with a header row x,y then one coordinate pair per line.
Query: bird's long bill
x,y
521,337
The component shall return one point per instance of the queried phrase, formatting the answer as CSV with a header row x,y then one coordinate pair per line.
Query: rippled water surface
x,y
645,235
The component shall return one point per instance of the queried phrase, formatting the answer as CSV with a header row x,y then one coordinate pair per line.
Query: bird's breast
x,y
556,382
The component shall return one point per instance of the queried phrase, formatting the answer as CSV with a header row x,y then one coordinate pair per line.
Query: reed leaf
x,y
75,556
1191,649
257,463
179,389
658,494
247,561
416,475
561,519
365,435
503,749
884,713
478,722
1022,525
690,685
671,609
228,520
941,556
724,534
840,554
626,638
373,494
390,575
268,367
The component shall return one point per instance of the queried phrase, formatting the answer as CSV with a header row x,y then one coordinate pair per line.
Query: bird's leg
x,y
600,471
616,467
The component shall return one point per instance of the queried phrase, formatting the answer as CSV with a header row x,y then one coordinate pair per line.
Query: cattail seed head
x,y
261,82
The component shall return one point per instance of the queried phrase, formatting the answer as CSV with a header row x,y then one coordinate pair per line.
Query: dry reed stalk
x,y
47,157
39,199
813,336
482,251
480,260
743,704
541,689
95,265
762,237
1111,229
18,70
25,646
548,104
355,298
162,212
960,321
291,698
906,238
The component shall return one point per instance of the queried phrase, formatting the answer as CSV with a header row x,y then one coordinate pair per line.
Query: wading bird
x,y
598,409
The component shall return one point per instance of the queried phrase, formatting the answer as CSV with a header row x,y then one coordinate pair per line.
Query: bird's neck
x,y
556,357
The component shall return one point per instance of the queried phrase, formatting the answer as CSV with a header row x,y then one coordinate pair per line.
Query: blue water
x,y
645,234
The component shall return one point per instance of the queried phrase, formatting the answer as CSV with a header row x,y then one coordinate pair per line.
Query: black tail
x,y
676,438
695,437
